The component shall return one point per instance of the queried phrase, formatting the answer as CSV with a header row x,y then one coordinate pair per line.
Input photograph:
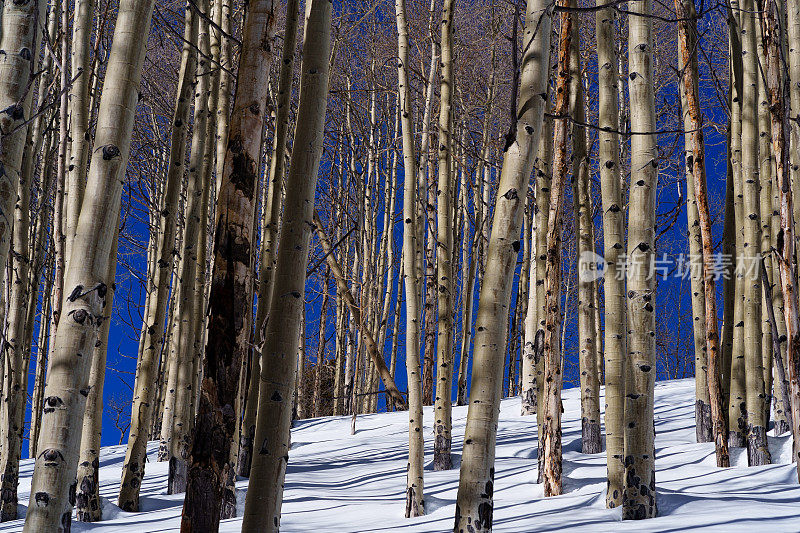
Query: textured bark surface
x,y
779,127
613,246
690,94
19,30
88,506
86,280
755,394
442,413
639,497
550,440
581,187
412,252
264,498
228,334
269,234
475,501
147,365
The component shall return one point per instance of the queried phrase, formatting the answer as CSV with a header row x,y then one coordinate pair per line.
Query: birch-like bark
x,y
693,122
702,408
88,506
144,395
581,187
230,312
613,246
263,504
86,280
412,252
755,395
779,128
442,424
269,234
474,505
639,497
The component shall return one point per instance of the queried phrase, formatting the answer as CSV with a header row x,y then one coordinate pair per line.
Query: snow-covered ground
x,y
340,482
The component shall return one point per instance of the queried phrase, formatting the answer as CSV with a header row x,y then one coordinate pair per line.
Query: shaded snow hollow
x,y
337,482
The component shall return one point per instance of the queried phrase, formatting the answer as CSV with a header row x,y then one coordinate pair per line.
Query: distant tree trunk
x,y
86,280
190,307
475,501
737,423
264,499
581,186
144,394
639,498
228,334
702,407
613,245
442,425
771,14
693,122
415,503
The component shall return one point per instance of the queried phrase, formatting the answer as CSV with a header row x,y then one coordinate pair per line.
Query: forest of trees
x,y
340,207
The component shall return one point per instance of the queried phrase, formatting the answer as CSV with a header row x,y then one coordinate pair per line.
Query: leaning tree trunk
x,y
88,506
415,503
442,425
475,502
87,278
550,439
264,498
755,395
582,198
272,210
693,122
639,497
613,244
147,367
228,335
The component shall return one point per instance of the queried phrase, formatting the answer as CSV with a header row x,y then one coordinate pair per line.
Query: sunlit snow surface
x,y
342,482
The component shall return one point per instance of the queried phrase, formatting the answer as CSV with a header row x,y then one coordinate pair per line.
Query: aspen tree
x,y
639,497
415,502
88,506
695,160
613,245
442,426
86,280
19,40
144,394
475,502
702,407
79,112
230,313
756,430
189,307
550,440
581,186
779,129
263,504
272,210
